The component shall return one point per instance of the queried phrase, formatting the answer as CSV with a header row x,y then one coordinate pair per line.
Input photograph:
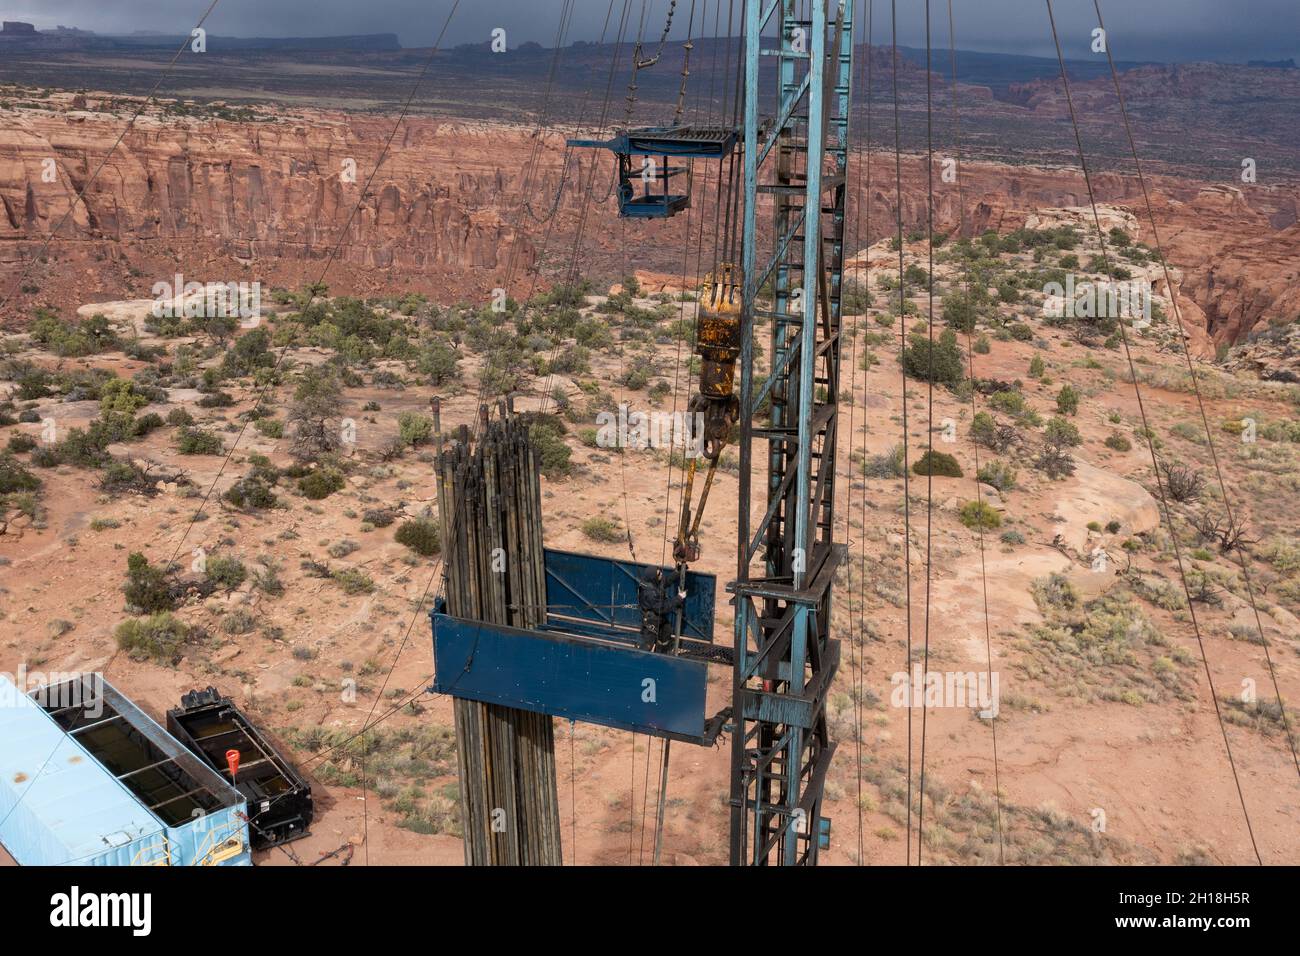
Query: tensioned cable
x,y
979,492
854,631
1150,437
409,699
677,370
1196,387
604,112
573,792
572,268
571,271
23,276
543,124
261,395
902,322
565,20
666,744
864,285
365,190
80,196
929,429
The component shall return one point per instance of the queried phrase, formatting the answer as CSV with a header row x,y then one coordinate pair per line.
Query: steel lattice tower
x,y
785,659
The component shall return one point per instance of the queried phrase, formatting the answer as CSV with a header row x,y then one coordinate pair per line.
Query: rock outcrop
x,y
464,205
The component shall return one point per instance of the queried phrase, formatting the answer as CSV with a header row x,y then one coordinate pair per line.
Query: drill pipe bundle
x,y
490,507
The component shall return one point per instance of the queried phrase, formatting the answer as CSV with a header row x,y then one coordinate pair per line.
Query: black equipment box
x,y
279,799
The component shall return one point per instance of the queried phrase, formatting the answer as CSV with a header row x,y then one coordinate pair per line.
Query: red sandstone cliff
x,y
445,212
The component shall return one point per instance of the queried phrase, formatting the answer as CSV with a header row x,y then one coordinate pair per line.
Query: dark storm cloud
x,y
1148,29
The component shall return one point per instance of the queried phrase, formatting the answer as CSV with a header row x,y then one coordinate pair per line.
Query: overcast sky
x,y
1168,30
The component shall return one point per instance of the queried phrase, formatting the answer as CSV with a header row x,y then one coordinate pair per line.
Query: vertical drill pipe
x,y
489,497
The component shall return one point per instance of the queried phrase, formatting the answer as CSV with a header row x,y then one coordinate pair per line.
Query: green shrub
x,y
593,333
1055,461
983,429
341,549
180,417
1067,400
317,402
602,529
217,399
322,483
854,298
159,638
120,395
421,535
225,572
249,353
1054,591
197,441
122,476
85,448
73,339
1036,367
937,463
979,516
251,492
1011,402
34,382
353,581
238,621
20,442
1062,434
959,312
943,363
379,517
414,428
1282,553
269,427
571,361
14,478
146,586
148,423
999,474
1117,442
552,450
635,377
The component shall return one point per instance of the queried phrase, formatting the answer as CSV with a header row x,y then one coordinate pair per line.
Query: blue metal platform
x,y
585,663
667,143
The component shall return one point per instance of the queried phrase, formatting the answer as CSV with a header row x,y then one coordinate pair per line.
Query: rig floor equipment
x,y
279,799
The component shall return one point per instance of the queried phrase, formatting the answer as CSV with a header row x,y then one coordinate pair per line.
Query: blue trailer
x,y
89,779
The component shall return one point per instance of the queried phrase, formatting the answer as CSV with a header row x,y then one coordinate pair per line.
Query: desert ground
x,y
1042,552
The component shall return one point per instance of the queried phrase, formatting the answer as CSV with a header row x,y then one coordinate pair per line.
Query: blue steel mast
x,y
784,657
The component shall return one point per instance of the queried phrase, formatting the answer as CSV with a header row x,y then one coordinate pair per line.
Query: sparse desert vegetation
x,y
188,501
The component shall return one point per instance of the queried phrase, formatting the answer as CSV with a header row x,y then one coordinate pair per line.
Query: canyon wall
x,y
446,214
